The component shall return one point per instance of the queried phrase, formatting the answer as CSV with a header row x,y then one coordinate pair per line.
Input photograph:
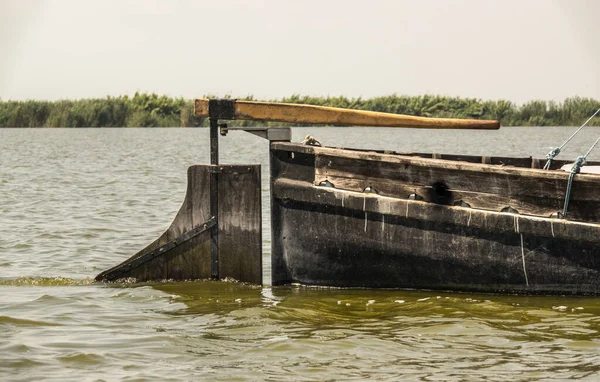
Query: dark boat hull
x,y
324,235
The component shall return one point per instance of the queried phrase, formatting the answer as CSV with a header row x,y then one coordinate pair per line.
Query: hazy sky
x,y
513,49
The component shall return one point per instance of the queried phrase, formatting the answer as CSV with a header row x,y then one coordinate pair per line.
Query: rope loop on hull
x,y
574,170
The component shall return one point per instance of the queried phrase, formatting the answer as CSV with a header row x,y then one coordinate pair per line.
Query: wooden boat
x,y
371,219
381,219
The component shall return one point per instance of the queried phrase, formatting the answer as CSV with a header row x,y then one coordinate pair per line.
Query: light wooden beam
x,y
321,115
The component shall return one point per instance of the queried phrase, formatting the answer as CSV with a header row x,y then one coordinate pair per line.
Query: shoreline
x,y
152,110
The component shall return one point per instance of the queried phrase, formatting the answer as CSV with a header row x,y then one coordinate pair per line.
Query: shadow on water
x,y
477,334
384,312
352,307
227,328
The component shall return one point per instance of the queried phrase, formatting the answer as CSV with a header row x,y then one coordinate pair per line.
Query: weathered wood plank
x,y
190,260
310,114
293,165
529,191
480,188
529,205
240,224
290,191
509,181
502,161
188,257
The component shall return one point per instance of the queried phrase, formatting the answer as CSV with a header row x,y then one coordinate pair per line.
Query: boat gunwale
x,y
399,158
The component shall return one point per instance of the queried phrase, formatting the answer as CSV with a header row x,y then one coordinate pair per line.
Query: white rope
x,y
575,170
523,256
555,151
582,126
591,148
364,210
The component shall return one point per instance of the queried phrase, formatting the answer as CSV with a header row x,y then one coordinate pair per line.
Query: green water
x,y
76,202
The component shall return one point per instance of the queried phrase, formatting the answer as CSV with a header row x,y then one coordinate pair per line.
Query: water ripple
x,y
78,201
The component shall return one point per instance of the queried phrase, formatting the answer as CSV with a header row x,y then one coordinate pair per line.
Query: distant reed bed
x,y
152,110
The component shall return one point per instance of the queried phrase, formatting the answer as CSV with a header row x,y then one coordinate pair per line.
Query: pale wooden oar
x,y
321,115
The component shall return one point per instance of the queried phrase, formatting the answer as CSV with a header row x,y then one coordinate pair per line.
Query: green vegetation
x,y
141,110
151,110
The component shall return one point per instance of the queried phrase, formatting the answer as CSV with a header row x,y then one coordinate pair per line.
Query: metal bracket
x,y
221,108
273,134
